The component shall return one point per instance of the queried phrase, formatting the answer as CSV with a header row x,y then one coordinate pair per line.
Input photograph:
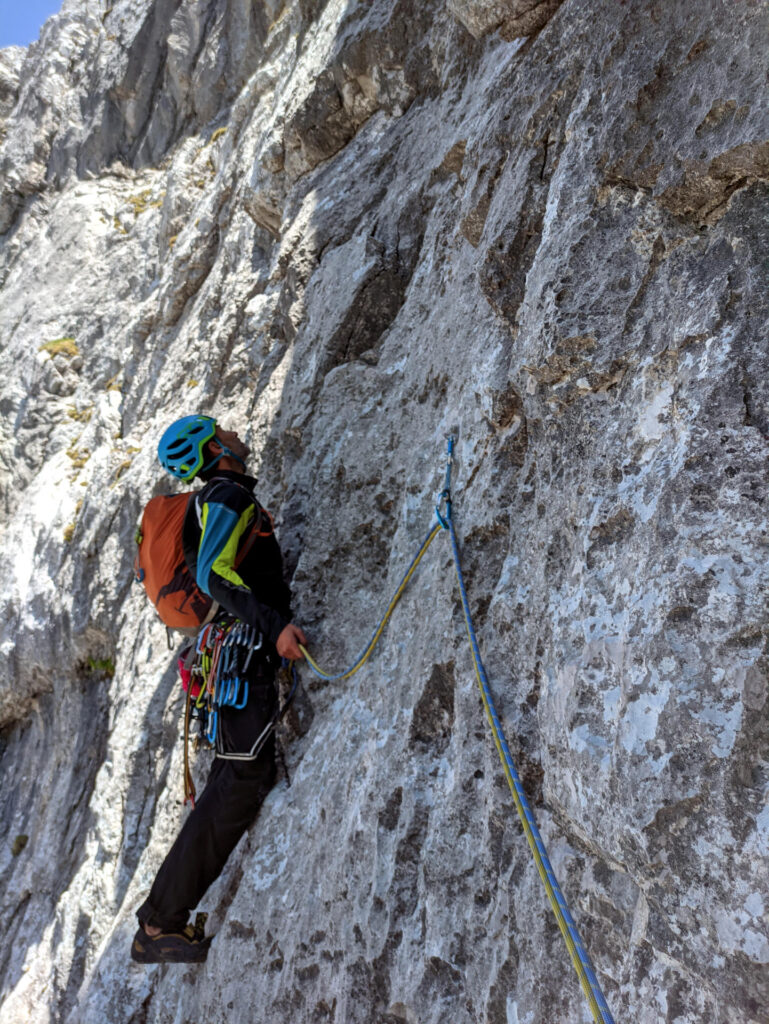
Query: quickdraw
x,y
214,671
215,666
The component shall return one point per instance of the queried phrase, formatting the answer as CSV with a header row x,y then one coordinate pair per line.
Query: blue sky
x,y
21,20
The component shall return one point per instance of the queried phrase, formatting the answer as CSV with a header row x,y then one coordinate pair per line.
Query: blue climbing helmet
x,y
181,447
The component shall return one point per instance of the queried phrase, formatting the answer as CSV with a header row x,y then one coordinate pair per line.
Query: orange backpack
x,y
161,567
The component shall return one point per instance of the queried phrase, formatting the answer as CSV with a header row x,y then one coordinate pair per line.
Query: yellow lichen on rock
x,y
80,415
61,347
143,201
78,457
124,465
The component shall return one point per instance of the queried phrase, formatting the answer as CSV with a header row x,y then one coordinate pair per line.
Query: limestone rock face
x,y
513,18
348,229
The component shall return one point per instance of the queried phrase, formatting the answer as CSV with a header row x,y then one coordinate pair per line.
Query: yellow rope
x,y
363,658
527,831
577,952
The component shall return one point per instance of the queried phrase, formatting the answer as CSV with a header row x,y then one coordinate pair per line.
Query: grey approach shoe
x,y
189,946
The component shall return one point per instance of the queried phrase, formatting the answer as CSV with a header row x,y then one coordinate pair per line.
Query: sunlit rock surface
x,y
348,229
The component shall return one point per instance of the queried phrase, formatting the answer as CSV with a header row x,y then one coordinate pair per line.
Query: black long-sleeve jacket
x,y
218,526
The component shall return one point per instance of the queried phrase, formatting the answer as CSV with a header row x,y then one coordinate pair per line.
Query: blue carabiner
x,y
239,707
213,716
232,690
441,520
221,696
445,495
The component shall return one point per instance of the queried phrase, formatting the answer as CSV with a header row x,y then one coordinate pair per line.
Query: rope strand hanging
x,y
577,951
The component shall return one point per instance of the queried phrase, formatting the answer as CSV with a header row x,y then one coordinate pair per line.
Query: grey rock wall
x,y
348,229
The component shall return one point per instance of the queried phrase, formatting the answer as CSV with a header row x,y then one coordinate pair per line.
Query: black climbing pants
x,y
224,810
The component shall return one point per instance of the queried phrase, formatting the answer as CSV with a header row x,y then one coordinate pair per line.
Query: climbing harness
x,y
214,674
579,955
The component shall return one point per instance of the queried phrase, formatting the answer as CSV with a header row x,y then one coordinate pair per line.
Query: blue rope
x,y
574,944
580,957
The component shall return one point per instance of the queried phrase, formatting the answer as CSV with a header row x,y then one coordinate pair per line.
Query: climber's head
x,y
193,445
225,451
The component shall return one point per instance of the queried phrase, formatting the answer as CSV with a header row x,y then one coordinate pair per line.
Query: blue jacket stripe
x,y
218,524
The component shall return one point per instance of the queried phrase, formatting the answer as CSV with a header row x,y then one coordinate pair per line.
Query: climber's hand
x,y
288,642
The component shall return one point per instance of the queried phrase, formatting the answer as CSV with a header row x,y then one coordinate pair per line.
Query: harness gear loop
x,y
214,658
577,951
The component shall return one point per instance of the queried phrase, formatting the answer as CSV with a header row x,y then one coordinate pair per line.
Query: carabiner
x,y
211,725
239,707
254,646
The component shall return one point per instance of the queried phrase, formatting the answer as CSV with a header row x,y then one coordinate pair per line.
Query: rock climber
x,y
222,514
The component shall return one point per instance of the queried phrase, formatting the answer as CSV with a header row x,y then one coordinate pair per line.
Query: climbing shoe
x,y
189,946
